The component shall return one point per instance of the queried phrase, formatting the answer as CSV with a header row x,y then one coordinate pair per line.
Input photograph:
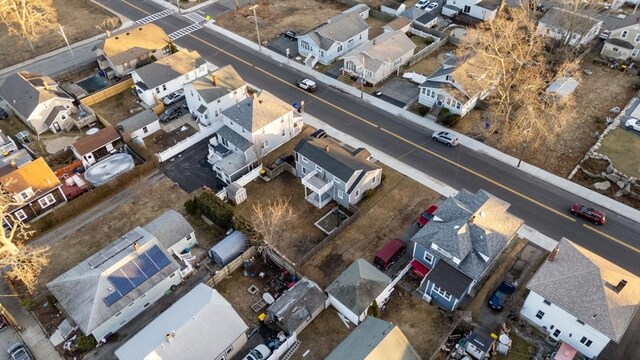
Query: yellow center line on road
x,y
611,238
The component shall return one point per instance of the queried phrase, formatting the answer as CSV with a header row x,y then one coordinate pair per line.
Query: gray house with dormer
x,y
460,245
330,172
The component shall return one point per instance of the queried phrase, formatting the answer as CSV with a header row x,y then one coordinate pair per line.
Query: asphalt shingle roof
x,y
297,304
257,111
233,137
95,141
358,286
138,121
226,78
450,279
24,91
134,42
340,28
169,67
169,227
386,48
559,18
583,284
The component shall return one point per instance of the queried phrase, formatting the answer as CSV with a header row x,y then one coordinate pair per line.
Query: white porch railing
x,y
316,184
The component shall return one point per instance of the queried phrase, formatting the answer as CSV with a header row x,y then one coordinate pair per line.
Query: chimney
x,y
472,219
620,286
326,148
46,86
255,95
15,166
260,101
553,254
136,247
214,79
169,336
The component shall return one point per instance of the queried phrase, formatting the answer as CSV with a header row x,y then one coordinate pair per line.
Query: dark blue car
x,y
499,297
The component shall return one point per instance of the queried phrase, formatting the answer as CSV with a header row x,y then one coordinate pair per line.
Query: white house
x,y
484,10
160,78
186,330
42,105
569,27
623,43
360,9
141,124
251,129
456,85
400,23
208,95
112,287
328,42
357,288
393,7
375,60
579,298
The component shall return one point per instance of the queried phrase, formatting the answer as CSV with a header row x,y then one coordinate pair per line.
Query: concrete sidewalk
x,y
31,332
529,169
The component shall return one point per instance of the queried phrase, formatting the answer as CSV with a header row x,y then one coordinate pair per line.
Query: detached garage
x,y
141,124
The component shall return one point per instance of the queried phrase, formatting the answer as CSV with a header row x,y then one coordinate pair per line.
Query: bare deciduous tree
x,y
271,221
109,24
25,263
28,19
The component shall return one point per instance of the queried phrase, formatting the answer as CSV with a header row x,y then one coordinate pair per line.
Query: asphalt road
x,y
541,205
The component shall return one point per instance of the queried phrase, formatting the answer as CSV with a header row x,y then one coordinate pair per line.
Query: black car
x,y
318,134
292,35
3,114
171,113
500,296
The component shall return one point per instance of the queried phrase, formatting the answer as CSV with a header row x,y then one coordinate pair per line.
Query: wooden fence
x,y
106,93
233,266
386,17
426,51
75,72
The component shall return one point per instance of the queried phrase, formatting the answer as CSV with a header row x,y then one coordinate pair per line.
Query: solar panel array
x,y
106,254
135,272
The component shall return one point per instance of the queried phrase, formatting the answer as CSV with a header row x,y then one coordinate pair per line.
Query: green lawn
x,y
621,146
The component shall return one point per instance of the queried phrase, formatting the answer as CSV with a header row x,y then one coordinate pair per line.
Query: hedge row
x,y
218,211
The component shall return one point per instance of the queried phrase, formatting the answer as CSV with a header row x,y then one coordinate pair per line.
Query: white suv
x,y
633,124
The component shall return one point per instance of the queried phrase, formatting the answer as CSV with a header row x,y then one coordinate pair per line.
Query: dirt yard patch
x,y
375,26
432,62
618,144
118,107
275,17
322,336
384,216
95,236
79,19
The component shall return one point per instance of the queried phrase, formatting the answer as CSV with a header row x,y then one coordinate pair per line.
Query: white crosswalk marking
x,y
184,31
195,17
154,17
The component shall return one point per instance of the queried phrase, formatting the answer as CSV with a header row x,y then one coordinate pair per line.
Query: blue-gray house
x,y
460,244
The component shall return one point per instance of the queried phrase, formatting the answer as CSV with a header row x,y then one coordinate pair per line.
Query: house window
x,y
305,45
304,159
304,171
557,333
284,133
580,321
373,181
25,195
340,48
396,63
164,87
340,194
357,193
637,39
20,215
189,237
336,180
145,130
547,302
265,144
157,90
540,314
624,34
467,9
457,105
428,257
47,201
191,92
438,290
360,38
322,53
615,49
433,94
427,92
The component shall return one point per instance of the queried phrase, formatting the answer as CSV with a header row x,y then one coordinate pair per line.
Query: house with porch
x,y
35,189
124,51
357,287
623,43
379,58
110,288
568,26
297,307
251,129
457,85
43,105
581,300
330,172
93,148
158,79
186,330
455,250
482,10
208,95
339,35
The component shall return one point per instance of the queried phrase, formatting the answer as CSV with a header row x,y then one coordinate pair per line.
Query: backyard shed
x,y
236,193
228,249
298,306
563,86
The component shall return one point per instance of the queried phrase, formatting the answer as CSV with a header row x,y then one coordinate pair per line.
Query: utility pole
x,y
255,18
524,147
64,36
178,5
362,77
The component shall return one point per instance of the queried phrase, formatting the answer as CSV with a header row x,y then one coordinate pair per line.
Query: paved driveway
x,y
191,170
281,44
399,92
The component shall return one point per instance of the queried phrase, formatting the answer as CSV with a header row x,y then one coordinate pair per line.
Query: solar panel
x,y
146,265
134,273
112,298
122,284
158,257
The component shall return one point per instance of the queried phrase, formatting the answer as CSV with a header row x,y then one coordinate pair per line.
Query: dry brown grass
x,y
385,215
118,107
276,16
322,336
432,62
375,26
79,19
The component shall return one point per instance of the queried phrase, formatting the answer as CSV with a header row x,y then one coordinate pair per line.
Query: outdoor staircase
x,y
311,60
292,350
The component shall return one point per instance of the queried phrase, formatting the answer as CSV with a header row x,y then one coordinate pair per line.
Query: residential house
x,y
140,125
297,307
42,105
413,13
208,95
35,189
460,245
7,145
357,288
109,289
330,172
393,7
623,43
379,58
398,24
580,299
478,344
482,10
568,26
186,330
374,339
333,39
424,22
16,159
360,9
178,237
122,52
250,130
158,79
457,85
93,148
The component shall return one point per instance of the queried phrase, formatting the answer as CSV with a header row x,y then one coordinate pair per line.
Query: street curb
x,y
549,178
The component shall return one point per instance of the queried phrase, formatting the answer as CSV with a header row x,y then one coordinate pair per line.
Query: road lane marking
x,y
154,17
611,238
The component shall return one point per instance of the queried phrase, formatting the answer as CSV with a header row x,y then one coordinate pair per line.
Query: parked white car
x,y
258,353
173,98
633,124
432,6
421,4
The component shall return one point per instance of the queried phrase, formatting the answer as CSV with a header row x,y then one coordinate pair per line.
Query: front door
x,y
56,126
556,333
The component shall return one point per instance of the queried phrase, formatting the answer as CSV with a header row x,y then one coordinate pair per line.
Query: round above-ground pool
x,y
107,169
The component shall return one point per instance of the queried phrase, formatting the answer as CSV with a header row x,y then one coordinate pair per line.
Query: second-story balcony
x,y
217,152
316,184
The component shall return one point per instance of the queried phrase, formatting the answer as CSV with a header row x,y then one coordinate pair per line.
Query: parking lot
x,y
191,170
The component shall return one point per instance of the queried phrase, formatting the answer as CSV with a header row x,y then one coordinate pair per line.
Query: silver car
x,y
446,138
